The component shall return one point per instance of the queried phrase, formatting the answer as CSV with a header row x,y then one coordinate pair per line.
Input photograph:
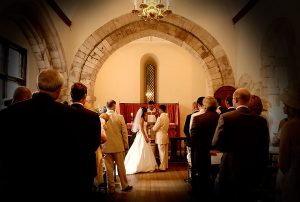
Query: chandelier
x,y
152,9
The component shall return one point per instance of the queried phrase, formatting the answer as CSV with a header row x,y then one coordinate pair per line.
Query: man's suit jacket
x,y
116,132
39,147
221,109
244,139
90,130
161,128
186,128
230,109
202,132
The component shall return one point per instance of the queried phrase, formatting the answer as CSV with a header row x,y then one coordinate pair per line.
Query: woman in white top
x,y
140,157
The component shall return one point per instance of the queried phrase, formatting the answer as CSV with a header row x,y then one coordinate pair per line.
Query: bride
x,y
140,157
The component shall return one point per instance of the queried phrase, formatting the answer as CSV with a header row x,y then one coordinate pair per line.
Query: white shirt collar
x,y
79,103
242,106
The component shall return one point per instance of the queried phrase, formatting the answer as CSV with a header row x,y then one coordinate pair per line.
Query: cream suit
x,y
161,128
114,148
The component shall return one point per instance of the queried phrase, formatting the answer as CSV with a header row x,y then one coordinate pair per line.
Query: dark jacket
x,y
90,130
202,131
243,137
186,128
39,148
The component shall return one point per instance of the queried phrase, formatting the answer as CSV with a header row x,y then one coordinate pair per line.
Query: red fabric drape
x,y
172,109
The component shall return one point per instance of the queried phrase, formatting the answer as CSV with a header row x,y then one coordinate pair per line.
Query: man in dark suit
x,y
220,109
90,132
202,131
39,144
186,129
243,137
229,104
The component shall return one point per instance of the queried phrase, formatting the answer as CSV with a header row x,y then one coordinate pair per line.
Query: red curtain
x,y
172,109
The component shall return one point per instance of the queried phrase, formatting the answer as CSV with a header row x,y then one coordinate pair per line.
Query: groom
x,y
161,128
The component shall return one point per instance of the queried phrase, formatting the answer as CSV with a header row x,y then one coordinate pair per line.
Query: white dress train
x,y
140,157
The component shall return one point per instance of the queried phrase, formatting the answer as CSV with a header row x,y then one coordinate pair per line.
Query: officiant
x,y
152,115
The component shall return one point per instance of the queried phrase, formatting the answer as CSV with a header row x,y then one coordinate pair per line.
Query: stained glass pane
x,y
150,83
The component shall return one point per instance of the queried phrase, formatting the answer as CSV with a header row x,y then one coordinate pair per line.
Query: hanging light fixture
x,y
151,9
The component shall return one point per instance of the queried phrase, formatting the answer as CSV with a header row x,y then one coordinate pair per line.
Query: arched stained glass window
x,y
150,83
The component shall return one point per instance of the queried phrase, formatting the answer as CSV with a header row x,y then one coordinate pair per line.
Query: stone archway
x,y
177,29
34,21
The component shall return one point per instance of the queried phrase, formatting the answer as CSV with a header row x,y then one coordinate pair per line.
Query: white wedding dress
x,y
140,157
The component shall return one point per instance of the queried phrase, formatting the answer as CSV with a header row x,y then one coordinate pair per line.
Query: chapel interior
x,y
200,48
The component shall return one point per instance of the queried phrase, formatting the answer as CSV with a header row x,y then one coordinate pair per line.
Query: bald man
x,y
243,137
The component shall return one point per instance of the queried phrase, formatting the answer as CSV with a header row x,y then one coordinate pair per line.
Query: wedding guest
x,y
114,148
103,119
255,104
200,110
284,120
99,160
161,128
90,130
186,131
289,152
38,144
220,109
21,93
202,131
229,104
243,137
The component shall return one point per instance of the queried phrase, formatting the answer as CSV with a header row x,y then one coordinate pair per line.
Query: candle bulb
x,y
131,117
